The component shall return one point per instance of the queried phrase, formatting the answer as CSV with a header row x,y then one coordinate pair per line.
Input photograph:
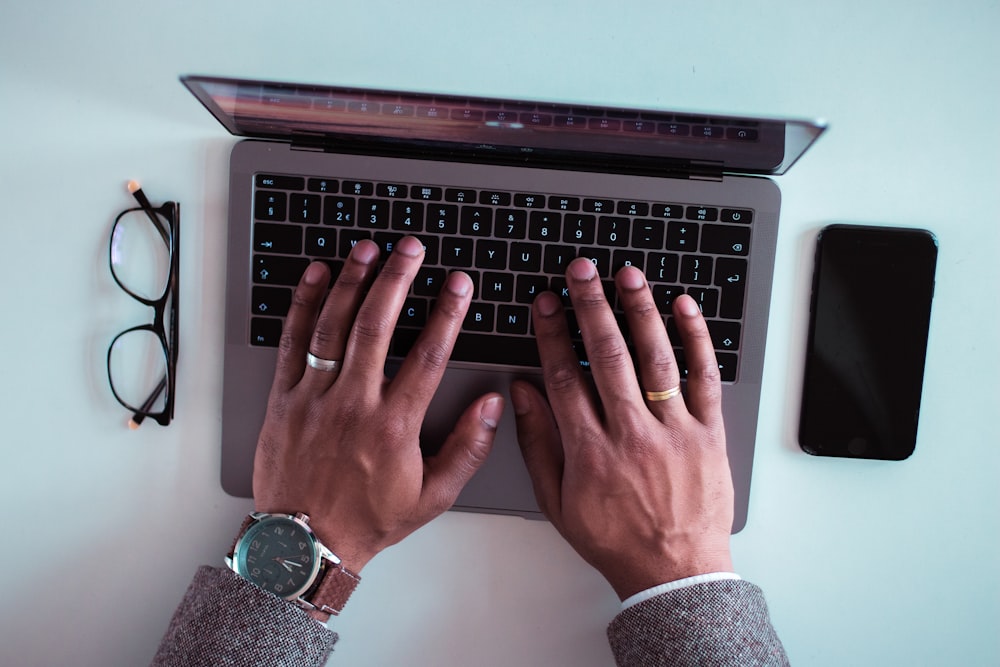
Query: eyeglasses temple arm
x,y
139,416
140,196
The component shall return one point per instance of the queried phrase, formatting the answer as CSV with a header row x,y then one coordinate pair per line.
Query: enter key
x,y
731,277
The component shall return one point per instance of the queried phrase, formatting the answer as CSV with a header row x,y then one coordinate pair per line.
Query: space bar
x,y
481,348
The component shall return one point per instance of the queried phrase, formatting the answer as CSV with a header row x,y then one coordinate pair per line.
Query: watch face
x,y
278,554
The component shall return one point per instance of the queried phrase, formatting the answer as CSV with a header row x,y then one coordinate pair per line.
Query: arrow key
x,y
725,335
727,366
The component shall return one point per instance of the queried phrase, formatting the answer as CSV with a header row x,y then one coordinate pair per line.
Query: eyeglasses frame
x,y
170,212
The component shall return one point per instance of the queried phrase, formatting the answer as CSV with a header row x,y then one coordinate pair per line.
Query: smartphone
x,y
868,321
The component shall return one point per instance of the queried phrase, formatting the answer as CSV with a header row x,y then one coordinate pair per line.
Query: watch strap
x,y
335,588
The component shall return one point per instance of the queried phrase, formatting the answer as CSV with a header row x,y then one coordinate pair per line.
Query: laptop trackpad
x,y
502,484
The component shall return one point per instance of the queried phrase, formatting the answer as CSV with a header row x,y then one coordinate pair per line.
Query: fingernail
x,y
314,274
410,247
491,412
366,253
519,397
687,306
631,278
582,269
458,284
547,304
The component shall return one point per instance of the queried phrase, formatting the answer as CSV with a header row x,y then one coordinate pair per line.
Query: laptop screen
x,y
424,124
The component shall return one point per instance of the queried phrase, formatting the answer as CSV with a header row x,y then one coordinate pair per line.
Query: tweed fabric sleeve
x,y
225,621
716,623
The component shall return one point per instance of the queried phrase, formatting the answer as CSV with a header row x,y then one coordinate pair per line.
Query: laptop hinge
x,y
702,170
713,178
306,141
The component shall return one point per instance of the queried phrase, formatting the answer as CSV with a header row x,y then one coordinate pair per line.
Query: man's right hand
x,y
641,489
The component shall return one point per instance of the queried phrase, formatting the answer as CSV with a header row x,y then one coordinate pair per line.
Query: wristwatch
x,y
281,554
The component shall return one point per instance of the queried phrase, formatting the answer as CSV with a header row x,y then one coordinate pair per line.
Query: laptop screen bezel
x,y
292,113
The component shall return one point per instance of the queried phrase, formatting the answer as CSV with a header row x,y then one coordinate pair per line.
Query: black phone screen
x,y
869,317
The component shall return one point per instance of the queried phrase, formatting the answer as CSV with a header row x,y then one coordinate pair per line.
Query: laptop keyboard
x,y
514,245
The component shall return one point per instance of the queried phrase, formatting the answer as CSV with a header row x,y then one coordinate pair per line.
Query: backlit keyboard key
x,y
270,205
513,245
725,240
276,270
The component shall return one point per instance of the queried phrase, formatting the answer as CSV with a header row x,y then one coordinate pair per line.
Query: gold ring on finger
x,y
656,396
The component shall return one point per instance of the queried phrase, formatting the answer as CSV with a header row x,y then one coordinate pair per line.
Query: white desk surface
x,y
863,563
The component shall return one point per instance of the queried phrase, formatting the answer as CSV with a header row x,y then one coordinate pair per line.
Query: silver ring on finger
x,y
320,364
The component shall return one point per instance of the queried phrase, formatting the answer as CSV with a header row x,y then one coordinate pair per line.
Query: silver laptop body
x,y
660,177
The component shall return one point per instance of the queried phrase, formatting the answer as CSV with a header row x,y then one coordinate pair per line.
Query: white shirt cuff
x,y
642,596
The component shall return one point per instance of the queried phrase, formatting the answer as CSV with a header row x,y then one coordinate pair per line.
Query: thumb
x,y
541,446
447,472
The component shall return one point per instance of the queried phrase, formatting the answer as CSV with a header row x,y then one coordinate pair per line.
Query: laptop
x,y
508,191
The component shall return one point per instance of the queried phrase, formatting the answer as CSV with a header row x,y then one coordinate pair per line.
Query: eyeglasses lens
x,y
140,254
137,365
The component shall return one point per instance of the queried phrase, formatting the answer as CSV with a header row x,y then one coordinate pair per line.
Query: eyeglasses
x,y
144,260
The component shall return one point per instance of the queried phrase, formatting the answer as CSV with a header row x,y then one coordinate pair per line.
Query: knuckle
x,y
322,336
659,362
644,445
644,309
549,327
303,299
474,456
348,416
355,275
712,393
708,373
286,344
698,336
452,308
609,351
590,460
396,431
394,271
591,438
369,328
431,354
590,300
561,377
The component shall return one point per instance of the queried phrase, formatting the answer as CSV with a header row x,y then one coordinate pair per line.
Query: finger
x,y
420,374
704,395
654,355
610,362
465,450
329,338
541,447
297,330
569,396
368,343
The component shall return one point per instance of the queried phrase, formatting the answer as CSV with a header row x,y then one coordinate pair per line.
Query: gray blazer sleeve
x,y
716,623
224,621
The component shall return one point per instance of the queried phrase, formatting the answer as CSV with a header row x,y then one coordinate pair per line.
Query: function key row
x,y
271,204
